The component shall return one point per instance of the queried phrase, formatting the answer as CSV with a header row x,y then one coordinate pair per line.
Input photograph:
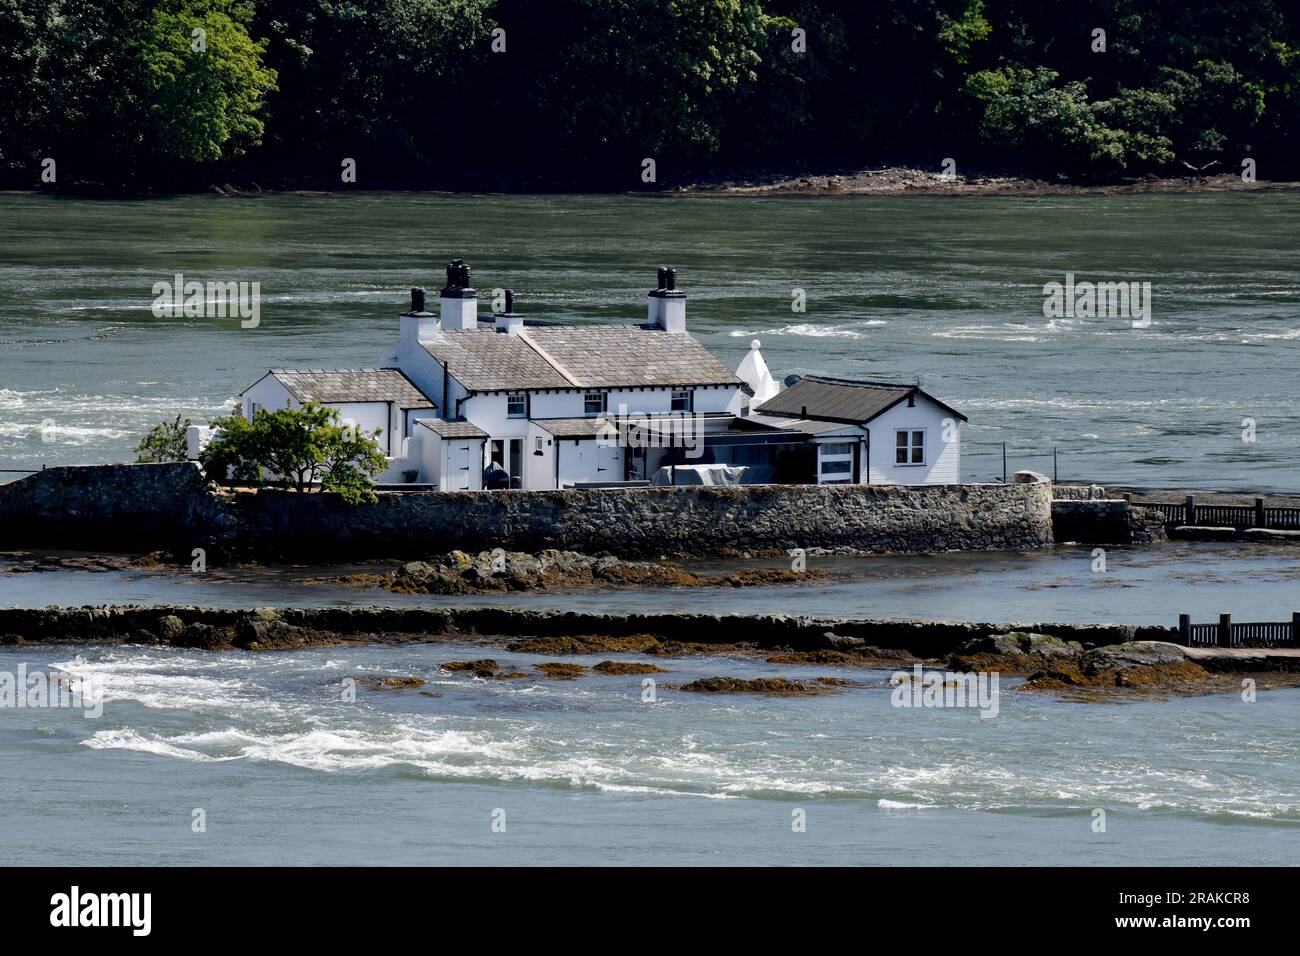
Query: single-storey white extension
x,y
470,403
871,432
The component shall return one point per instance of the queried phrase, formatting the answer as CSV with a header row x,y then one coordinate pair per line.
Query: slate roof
x,y
806,425
610,356
656,425
571,427
333,386
842,400
448,429
577,356
484,360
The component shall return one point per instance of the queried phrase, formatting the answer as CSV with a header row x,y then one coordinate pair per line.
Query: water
x,y
586,772
285,771
1149,586
947,289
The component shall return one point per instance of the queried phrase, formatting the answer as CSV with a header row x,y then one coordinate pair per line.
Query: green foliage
x,y
301,446
1029,113
200,105
586,89
163,442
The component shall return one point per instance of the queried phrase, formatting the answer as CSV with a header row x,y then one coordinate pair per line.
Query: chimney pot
x,y
510,301
417,300
672,279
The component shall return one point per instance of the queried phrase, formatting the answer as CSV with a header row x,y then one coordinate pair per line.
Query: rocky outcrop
x,y
549,632
769,686
498,570
1148,665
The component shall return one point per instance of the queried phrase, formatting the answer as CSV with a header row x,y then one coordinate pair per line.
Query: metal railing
x,y
1225,633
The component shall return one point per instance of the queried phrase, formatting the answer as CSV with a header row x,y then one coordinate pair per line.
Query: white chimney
x,y
459,308
668,303
507,321
417,325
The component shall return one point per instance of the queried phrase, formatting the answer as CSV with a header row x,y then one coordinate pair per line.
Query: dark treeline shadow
x,y
543,95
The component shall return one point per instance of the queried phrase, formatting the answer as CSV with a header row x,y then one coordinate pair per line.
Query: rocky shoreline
x,y
496,571
1089,662
914,181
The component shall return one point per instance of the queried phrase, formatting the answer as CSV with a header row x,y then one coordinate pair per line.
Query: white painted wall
x,y
942,460
267,393
583,460
539,469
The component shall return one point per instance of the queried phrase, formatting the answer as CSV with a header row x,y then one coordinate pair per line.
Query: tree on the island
x,y
299,448
163,442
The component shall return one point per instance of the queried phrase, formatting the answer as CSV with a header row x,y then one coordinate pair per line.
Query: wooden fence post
x,y
1259,512
1185,630
1225,630
1189,507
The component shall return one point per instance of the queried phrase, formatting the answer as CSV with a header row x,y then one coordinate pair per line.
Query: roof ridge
x,y
835,380
546,357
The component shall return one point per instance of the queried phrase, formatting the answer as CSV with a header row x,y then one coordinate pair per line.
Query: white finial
x,y
755,344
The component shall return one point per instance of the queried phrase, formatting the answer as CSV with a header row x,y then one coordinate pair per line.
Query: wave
x,y
810,330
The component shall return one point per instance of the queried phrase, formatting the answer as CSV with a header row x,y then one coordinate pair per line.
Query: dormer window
x,y
516,405
683,401
593,403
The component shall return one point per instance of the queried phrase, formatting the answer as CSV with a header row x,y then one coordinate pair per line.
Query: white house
x,y
465,403
871,432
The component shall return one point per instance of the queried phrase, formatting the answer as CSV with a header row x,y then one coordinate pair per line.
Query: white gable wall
x,y
942,460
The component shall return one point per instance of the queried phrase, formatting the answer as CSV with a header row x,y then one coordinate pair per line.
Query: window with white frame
x,y
593,403
683,400
835,463
909,446
516,405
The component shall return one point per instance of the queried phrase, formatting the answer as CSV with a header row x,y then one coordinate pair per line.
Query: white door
x,y
458,466
609,463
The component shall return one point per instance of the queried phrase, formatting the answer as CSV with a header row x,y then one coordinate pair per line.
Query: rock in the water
x,y
1118,657
170,628
1016,643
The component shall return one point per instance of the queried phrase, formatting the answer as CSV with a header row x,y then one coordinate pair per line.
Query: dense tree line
x,y
565,93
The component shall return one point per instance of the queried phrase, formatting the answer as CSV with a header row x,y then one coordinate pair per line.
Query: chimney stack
x,y
459,306
418,325
507,321
668,303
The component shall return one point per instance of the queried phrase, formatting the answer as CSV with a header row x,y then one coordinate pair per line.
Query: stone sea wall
x,y
150,507
1105,521
287,628
113,508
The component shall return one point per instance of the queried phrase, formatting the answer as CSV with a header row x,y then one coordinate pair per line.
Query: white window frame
x,y
523,403
911,433
845,477
686,395
589,398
